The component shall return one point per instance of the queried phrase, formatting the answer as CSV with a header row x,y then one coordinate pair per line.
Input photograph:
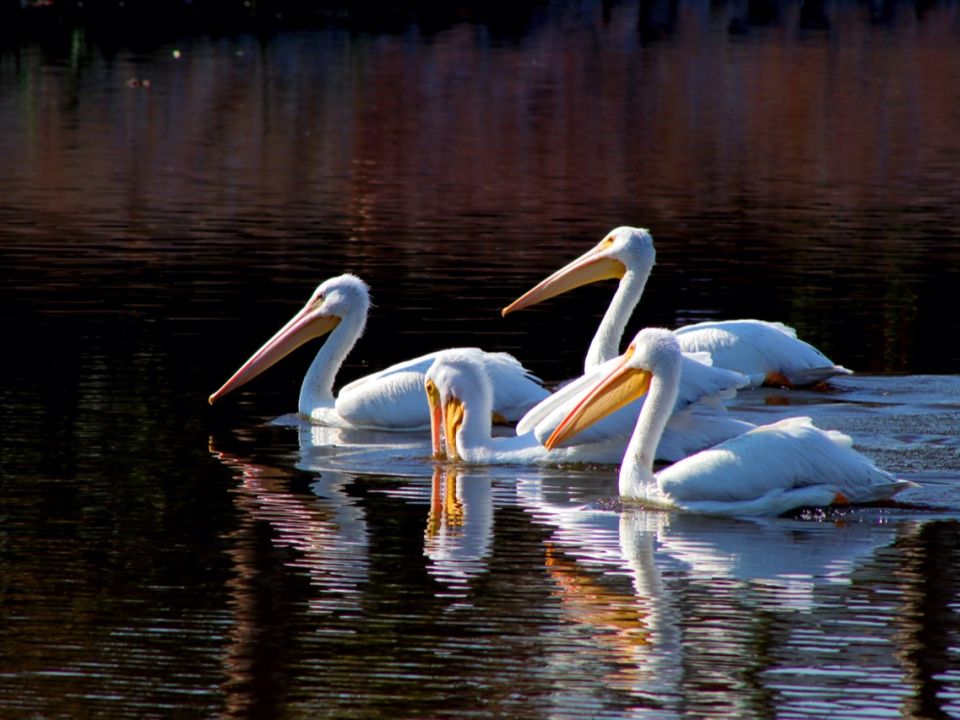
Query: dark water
x,y
166,204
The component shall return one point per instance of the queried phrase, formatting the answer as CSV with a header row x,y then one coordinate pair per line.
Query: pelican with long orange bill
x,y
391,399
768,353
769,470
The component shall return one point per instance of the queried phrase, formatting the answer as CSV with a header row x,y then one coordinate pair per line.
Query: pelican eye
x,y
607,242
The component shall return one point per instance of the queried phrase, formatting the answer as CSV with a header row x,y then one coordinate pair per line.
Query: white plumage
x,y
697,421
459,393
391,399
767,471
766,352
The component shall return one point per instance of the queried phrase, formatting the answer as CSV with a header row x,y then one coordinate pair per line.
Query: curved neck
x,y
476,431
636,473
606,343
317,388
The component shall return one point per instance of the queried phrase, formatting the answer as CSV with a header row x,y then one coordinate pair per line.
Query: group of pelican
x,y
660,400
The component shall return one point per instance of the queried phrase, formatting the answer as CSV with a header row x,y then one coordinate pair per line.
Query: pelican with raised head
x,y
769,470
698,419
391,399
766,352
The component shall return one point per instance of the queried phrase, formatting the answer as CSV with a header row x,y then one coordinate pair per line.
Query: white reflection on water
x,y
326,530
458,527
717,595
631,612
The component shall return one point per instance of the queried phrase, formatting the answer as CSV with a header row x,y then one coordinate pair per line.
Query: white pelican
x,y
766,352
391,399
766,471
459,394
698,419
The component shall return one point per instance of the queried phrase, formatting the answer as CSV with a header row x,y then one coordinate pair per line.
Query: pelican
x,y
391,399
766,352
769,470
459,394
698,420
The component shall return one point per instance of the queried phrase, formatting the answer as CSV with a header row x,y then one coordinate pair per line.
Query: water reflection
x,y
731,616
644,614
372,150
451,162
459,531
323,448
325,528
322,534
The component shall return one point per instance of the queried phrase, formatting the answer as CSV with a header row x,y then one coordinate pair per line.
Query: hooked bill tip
x,y
552,440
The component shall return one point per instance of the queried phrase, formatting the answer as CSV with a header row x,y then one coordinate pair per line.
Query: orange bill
x,y
436,418
592,266
452,420
621,386
307,324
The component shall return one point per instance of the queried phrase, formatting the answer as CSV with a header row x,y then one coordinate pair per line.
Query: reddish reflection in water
x,y
791,166
165,206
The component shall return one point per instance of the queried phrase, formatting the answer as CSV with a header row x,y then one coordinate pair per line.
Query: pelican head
x,y
457,389
345,297
624,249
654,351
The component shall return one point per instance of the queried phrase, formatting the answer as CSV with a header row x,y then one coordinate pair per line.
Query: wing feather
x,y
394,397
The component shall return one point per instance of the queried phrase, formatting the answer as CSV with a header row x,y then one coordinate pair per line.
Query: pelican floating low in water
x,y
459,394
769,470
766,352
391,399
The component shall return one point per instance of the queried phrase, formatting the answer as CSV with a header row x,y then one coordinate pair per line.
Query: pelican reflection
x,y
684,608
459,527
326,528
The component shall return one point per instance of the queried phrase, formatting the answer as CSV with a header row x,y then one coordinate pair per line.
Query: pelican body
x,y
766,352
391,399
769,470
459,394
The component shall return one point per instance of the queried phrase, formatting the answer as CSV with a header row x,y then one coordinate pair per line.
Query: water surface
x,y
166,204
